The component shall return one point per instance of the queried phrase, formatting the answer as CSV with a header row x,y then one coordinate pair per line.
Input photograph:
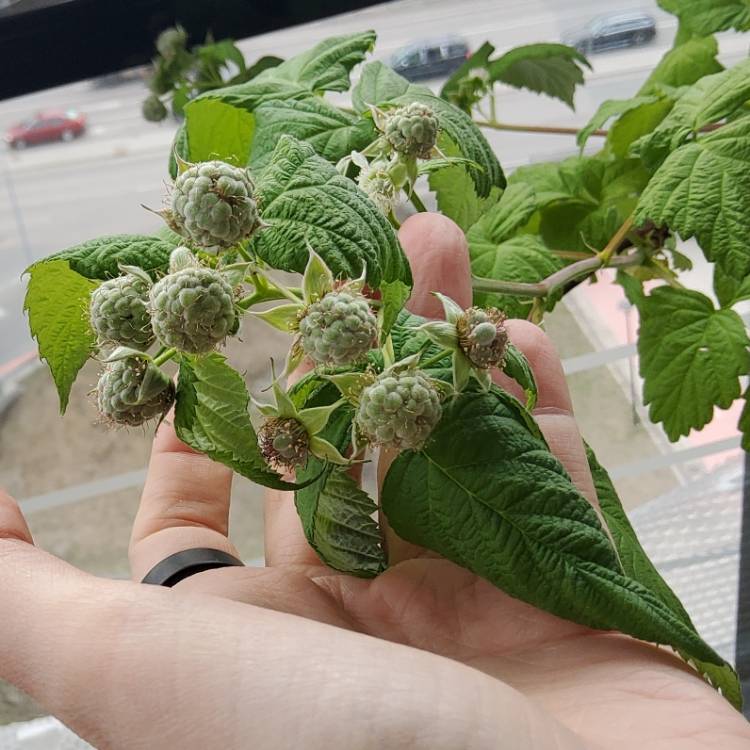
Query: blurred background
x,y
78,160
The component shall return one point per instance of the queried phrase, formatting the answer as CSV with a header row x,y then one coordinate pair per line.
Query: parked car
x,y
613,31
46,126
430,58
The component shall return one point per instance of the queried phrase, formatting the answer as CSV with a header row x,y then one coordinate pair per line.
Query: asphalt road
x,y
57,195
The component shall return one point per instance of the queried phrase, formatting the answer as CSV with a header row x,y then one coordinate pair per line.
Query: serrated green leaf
x,y
216,130
744,423
632,287
730,290
517,367
701,190
57,301
327,65
636,565
583,200
551,69
708,101
336,515
683,65
393,296
520,523
635,123
377,84
477,61
306,202
211,417
691,358
332,132
455,193
524,258
102,257
703,17
607,110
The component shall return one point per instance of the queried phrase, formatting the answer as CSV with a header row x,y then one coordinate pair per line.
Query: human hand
x,y
295,654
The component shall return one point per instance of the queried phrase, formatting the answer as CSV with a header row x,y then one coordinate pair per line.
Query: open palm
x,y
427,655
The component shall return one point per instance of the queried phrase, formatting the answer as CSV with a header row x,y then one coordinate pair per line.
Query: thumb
x,y
439,259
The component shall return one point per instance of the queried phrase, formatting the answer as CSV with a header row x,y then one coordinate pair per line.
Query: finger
x,y
13,525
185,504
439,259
554,408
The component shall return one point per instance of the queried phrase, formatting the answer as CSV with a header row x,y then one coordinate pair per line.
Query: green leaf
x,y
701,190
637,122
454,190
632,287
379,83
211,417
101,258
326,66
683,65
551,69
583,200
708,101
306,201
607,110
516,206
703,17
520,523
730,290
393,295
337,517
636,565
216,130
524,258
477,61
332,132
691,358
517,367
57,301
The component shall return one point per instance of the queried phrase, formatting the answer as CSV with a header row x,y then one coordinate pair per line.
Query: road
x,y
57,195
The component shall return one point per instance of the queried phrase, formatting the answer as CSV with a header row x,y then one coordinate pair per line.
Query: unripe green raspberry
x,y
153,109
284,443
482,336
181,258
412,130
213,204
399,410
171,41
133,390
192,310
338,329
119,312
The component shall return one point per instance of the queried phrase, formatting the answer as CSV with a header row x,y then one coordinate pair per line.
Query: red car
x,y
46,126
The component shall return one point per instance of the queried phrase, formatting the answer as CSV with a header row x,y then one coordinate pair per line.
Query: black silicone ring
x,y
182,565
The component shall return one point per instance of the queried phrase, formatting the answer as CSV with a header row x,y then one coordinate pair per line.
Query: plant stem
x,y
165,356
244,253
558,279
547,129
616,239
395,223
416,201
432,360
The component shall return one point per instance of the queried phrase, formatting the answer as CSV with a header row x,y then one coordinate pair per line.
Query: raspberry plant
x,y
270,175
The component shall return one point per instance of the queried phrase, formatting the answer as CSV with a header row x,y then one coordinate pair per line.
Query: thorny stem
x,y
548,129
558,279
416,201
164,356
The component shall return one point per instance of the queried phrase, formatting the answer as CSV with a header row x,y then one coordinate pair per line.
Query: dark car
x,y
430,58
613,31
46,126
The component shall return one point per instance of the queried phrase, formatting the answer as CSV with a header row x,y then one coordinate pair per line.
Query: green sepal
x,y
316,418
441,333
325,450
317,280
351,384
283,317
